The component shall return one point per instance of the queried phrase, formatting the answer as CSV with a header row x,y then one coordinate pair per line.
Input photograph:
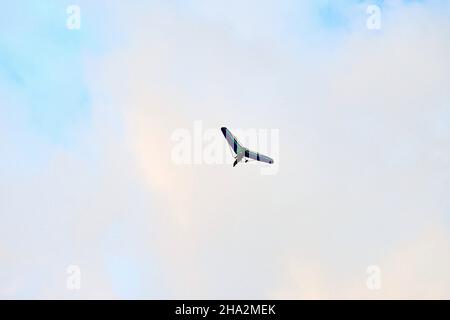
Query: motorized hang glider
x,y
240,152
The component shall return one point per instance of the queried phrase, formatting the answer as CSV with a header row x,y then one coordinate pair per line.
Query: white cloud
x,y
415,269
363,166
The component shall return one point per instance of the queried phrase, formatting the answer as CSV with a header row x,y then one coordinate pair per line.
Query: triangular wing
x,y
231,139
257,156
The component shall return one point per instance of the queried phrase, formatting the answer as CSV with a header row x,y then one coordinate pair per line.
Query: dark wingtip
x,y
224,130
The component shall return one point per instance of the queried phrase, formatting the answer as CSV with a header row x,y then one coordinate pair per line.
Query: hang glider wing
x,y
257,156
232,140
242,152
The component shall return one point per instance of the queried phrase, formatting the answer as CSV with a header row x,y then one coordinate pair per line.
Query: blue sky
x,y
87,115
43,60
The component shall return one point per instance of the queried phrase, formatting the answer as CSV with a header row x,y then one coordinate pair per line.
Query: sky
x,y
87,118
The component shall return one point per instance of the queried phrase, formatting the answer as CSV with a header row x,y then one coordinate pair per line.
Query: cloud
x,y
364,163
415,269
